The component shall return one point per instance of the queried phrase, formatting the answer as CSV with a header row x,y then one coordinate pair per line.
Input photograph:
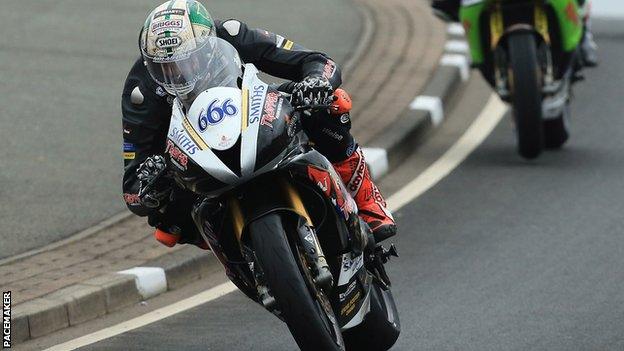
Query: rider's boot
x,y
589,48
371,205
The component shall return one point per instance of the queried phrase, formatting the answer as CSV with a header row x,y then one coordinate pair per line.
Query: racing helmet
x,y
177,43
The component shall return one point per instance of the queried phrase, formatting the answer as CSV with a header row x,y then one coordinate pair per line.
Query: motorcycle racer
x,y
175,52
449,9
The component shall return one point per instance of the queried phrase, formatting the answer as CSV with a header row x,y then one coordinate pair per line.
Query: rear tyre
x,y
309,323
381,327
526,92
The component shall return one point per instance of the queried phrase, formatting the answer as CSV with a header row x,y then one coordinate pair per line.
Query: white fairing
x,y
216,116
349,268
216,120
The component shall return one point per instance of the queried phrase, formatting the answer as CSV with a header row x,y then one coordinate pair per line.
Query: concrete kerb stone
x,y
45,315
83,302
119,290
20,331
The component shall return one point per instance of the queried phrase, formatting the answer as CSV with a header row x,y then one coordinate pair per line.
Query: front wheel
x,y
308,315
526,93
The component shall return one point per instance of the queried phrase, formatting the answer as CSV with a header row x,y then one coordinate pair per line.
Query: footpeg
x,y
387,253
267,300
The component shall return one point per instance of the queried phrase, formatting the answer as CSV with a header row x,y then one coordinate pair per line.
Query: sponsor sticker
x,y
6,320
270,109
183,140
224,141
350,306
175,12
166,25
129,147
572,13
345,118
332,134
132,199
168,42
216,113
178,157
350,288
129,155
160,91
329,69
255,107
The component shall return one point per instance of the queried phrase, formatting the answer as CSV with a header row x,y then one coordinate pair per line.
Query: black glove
x,y
154,187
312,91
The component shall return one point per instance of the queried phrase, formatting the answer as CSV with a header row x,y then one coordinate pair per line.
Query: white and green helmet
x,y
176,42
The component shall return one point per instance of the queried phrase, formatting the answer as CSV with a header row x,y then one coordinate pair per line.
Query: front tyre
x,y
526,93
309,323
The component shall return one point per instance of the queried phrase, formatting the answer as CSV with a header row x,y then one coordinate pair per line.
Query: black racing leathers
x,y
146,110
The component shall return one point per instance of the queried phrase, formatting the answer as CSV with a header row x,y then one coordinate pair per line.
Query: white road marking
x,y
473,137
147,318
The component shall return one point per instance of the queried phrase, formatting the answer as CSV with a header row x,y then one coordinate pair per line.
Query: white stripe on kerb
x,y
433,104
456,47
150,281
459,61
377,160
455,29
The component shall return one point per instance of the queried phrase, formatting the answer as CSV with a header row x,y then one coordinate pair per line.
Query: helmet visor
x,y
212,64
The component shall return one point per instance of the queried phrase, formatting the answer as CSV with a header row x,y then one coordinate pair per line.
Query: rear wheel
x,y
526,93
307,312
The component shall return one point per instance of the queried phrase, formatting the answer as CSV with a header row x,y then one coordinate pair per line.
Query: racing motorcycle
x,y
527,51
276,214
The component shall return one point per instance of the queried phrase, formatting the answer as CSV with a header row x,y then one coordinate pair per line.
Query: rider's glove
x,y
154,188
312,90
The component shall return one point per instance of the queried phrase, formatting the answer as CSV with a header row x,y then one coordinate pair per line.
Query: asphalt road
x,y
503,254
62,68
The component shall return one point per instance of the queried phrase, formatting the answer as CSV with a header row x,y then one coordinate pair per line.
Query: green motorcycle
x,y
527,51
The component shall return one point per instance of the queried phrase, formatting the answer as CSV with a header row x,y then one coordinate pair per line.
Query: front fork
x,y
306,237
502,75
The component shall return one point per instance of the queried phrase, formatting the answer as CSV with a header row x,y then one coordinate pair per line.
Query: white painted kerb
x,y
150,281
